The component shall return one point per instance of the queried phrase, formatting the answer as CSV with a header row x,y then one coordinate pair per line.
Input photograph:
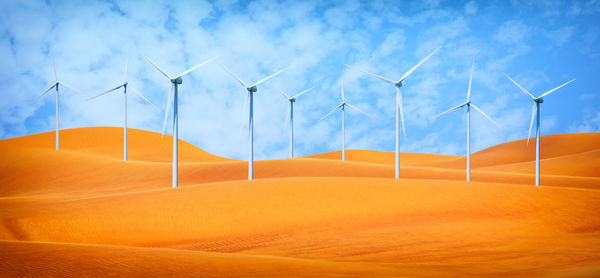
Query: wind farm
x,y
352,182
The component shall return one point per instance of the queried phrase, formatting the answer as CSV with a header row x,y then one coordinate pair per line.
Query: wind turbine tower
x,y
535,114
399,112
173,94
124,85
250,101
468,104
55,86
292,100
343,107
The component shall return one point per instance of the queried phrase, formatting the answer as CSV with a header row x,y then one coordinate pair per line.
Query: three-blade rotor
x,y
125,84
398,83
536,100
174,81
57,83
468,102
291,100
252,88
343,104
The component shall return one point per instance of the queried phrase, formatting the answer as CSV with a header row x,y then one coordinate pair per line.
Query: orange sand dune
x,y
552,146
110,261
108,142
83,211
67,172
384,157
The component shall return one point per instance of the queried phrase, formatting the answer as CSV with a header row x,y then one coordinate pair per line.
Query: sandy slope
x,y
84,211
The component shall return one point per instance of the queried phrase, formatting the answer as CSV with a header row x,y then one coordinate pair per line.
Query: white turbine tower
x,y
56,85
535,114
125,85
173,94
468,104
250,101
399,112
343,106
291,118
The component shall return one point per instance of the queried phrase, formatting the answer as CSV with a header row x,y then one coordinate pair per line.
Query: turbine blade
x,y
401,111
157,67
269,77
167,111
342,85
126,68
196,66
533,110
522,89
470,81
336,108
355,108
143,97
418,65
54,68
67,86
236,78
548,92
47,90
371,74
485,115
303,92
106,92
284,95
449,110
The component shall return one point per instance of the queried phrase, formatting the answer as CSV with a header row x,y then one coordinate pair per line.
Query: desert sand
x,y
83,211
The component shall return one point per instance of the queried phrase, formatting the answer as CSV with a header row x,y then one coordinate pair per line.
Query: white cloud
x,y
471,8
591,123
561,35
512,32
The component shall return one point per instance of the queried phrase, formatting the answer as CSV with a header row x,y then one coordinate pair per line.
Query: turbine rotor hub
x,y
293,100
539,100
177,80
399,84
252,89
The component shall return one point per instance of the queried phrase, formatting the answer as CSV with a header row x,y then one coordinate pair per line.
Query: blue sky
x,y
540,44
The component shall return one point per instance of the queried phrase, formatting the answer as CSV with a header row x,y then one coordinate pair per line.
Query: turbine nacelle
x,y
177,80
251,89
398,84
292,100
539,100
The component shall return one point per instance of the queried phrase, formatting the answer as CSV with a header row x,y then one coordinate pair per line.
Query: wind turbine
x,y
250,101
173,93
343,106
535,113
124,85
291,119
56,85
468,104
399,112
